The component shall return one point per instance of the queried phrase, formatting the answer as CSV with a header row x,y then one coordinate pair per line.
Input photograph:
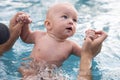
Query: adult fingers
x,y
101,36
13,20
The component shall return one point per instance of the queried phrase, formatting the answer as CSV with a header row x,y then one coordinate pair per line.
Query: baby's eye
x,y
75,20
64,16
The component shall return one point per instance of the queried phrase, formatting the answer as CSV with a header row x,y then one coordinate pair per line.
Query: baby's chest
x,y
53,52
53,47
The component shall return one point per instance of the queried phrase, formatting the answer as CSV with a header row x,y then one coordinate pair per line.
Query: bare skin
x,y
15,31
90,49
52,46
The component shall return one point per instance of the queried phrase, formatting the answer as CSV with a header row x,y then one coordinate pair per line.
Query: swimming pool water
x,y
95,14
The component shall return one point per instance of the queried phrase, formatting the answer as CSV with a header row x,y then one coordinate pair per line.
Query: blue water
x,y
95,14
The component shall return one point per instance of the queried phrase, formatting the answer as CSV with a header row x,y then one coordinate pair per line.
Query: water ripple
x,y
95,14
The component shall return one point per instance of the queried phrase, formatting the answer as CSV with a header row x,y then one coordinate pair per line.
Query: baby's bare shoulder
x,y
39,33
71,42
76,49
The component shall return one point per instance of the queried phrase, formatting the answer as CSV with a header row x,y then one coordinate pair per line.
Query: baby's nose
x,y
71,21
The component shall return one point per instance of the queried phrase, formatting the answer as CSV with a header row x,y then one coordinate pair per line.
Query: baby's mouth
x,y
69,28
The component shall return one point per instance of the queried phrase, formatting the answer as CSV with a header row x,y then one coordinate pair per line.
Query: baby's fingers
x,y
90,33
20,18
24,18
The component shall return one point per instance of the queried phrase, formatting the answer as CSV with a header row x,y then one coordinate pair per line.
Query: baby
x,y
53,46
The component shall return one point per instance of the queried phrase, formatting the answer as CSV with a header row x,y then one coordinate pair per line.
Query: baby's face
x,y
63,19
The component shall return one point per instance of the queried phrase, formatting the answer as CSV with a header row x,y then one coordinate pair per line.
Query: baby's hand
x,y
24,18
91,34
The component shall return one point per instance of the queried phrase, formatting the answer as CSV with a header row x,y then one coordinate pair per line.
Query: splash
x,y
32,70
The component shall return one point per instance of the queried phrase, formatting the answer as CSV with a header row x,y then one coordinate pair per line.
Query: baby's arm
x,y
26,34
76,49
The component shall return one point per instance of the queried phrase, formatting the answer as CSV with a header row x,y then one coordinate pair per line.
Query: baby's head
x,y
61,20
56,8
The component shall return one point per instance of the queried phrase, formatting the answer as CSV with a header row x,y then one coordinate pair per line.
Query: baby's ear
x,y
47,24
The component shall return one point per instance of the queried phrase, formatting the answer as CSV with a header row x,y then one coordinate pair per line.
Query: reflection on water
x,y
95,14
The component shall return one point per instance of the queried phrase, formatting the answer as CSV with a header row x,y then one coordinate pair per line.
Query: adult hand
x,y
93,42
91,47
15,30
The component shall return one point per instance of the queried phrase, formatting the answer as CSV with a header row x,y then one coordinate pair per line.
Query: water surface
x,y
95,14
